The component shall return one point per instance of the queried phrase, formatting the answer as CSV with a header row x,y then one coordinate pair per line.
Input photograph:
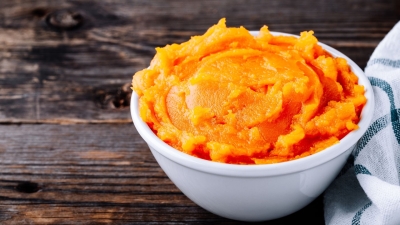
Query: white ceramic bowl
x,y
256,192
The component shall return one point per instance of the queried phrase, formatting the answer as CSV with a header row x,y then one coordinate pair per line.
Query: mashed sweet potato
x,y
231,97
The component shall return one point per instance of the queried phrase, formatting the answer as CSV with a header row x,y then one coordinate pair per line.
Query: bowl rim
x,y
293,166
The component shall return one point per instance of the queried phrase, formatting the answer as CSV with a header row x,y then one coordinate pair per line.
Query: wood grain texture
x,y
68,151
96,173
49,74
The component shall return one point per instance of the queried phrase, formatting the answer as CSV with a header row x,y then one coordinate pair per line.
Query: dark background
x,y
69,153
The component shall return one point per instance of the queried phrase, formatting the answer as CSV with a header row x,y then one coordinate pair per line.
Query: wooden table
x,y
69,153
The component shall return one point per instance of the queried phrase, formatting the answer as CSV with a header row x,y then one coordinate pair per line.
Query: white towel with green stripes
x,y
368,189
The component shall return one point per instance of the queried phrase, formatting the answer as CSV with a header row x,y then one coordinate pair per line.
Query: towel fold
x,y
368,189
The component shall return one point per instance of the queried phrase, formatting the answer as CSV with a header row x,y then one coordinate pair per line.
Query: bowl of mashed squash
x,y
253,125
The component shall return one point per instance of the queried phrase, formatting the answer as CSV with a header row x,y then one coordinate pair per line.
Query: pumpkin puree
x,y
231,97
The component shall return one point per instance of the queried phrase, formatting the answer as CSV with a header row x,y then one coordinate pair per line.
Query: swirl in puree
x,y
231,97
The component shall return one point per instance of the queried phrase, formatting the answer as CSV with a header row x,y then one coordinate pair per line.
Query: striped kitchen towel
x,y
368,189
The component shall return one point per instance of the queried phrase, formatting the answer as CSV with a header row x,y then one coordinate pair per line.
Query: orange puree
x,y
231,97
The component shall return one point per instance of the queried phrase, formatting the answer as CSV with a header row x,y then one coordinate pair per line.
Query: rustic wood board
x,y
51,74
55,71
95,173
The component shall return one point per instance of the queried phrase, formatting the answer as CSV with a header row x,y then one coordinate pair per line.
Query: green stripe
x,y
384,61
360,169
357,217
373,129
385,86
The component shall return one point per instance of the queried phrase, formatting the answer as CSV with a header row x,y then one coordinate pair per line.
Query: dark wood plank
x,y
71,62
96,173
56,70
